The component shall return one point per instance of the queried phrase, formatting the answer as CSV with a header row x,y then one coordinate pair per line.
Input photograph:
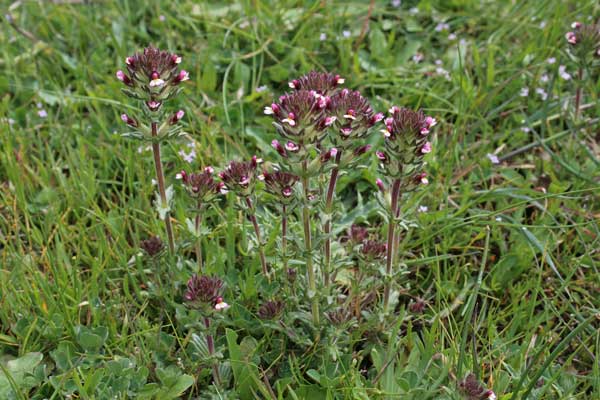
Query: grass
x,y
505,258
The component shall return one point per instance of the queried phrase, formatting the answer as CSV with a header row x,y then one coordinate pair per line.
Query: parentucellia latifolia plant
x,y
323,132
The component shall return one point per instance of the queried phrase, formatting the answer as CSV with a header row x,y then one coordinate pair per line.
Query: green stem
x,y
160,178
261,252
210,343
328,212
197,224
312,286
579,89
391,244
284,237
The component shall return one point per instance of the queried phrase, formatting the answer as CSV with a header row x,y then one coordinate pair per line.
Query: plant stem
x,y
263,260
328,212
312,286
391,243
284,237
160,178
197,223
210,343
579,89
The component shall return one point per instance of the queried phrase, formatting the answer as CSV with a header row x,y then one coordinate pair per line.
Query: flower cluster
x,y
317,105
354,115
270,309
406,144
301,116
240,176
153,246
203,291
474,390
279,184
324,83
373,250
584,39
153,77
202,186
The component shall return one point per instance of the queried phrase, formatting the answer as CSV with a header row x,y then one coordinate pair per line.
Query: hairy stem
x,y
210,343
579,89
391,244
197,223
261,252
328,212
160,178
284,237
312,285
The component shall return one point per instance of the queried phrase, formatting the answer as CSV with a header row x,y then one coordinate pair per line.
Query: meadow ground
x,y
499,264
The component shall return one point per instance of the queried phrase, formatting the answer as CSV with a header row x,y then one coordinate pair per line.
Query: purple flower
x,y
129,121
270,310
152,246
280,184
493,158
202,186
373,250
323,83
42,113
188,157
203,290
240,176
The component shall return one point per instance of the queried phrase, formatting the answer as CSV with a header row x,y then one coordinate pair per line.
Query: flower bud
x,y
181,77
124,78
129,121
176,117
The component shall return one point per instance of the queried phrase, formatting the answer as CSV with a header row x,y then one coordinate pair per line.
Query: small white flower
x,y
418,57
493,158
221,305
544,78
42,113
542,93
39,105
322,36
289,121
422,209
268,110
162,18
346,34
154,182
396,3
551,60
188,157
542,24
525,129
498,219
261,89
178,176
562,71
157,82
452,37
438,62
413,11
442,26
524,92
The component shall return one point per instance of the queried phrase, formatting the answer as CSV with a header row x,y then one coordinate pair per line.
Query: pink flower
x,y
182,77
380,185
291,146
124,78
426,148
128,120
277,146
571,37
